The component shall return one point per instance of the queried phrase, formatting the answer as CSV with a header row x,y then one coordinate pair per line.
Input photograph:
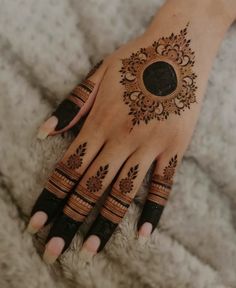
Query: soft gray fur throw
x,y
46,47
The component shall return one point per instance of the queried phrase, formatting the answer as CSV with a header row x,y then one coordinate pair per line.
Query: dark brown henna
x,y
94,183
159,80
78,207
70,107
126,184
61,181
158,195
114,209
76,159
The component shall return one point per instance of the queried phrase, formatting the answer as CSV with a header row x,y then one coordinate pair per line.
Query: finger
x,y
64,178
75,106
91,187
118,201
160,188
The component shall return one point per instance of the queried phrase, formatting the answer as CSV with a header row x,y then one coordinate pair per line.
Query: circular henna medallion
x,y
159,80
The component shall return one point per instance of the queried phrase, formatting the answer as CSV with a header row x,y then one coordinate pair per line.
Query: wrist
x,y
213,16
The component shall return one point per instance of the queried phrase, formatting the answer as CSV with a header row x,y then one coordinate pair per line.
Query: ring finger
x,y
119,200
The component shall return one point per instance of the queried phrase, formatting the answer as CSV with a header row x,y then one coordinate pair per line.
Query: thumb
x,y
77,104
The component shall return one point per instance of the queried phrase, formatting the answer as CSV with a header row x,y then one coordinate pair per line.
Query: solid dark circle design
x,y
160,78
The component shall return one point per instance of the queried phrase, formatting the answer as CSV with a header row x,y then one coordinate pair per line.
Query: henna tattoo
x,y
78,207
159,80
119,200
83,199
114,209
126,184
94,183
161,184
60,183
70,107
103,229
75,160
158,195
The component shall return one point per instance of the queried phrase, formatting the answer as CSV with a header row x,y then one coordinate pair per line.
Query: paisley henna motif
x,y
159,79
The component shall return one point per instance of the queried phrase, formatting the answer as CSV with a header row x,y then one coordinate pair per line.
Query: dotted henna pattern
x,y
159,79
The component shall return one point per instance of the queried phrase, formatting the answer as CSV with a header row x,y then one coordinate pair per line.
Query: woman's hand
x,y
143,103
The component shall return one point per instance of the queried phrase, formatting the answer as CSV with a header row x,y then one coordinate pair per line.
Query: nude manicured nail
x,y
145,230
47,128
53,250
91,245
36,222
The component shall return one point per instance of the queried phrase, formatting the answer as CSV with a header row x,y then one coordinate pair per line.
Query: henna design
x,y
159,80
118,201
126,184
94,183
75,160
161,184
70,107
83,199
114,209
59,184
158,195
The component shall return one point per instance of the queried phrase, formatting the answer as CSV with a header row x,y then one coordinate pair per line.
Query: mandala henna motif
x,y
94,183
159,80
75,160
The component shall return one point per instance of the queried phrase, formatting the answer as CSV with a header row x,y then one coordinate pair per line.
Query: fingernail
x,y
145,230
91,245
47,127
53,250
36,222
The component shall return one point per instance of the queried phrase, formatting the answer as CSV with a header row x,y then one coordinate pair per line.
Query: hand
x,y
143,103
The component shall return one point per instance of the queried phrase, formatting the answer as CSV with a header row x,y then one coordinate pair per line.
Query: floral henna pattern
x,y
161,184
83,198
94,183
126,184
158,195
75,160
159,79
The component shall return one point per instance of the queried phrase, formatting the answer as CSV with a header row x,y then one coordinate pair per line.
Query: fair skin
x,y
109,139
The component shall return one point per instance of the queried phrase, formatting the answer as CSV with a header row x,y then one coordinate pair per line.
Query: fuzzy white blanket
x,y
46,47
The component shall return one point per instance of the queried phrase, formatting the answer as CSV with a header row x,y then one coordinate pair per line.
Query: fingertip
x,y
36,222
91,244
47,128
53,250
145,230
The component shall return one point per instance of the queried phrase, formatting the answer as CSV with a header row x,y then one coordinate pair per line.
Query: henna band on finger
x,y
114,209
78,206
70,107
59,184
158,195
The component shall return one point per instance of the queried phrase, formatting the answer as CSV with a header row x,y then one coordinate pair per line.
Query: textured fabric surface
x,y
45,48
